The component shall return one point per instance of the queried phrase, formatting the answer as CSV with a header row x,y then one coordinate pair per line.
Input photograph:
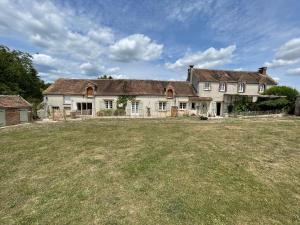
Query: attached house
x,y
206,92
14,110
225,86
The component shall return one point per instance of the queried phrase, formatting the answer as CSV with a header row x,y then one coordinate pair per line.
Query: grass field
x,y
172,171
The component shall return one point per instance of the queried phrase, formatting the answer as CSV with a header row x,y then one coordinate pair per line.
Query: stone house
x,y
14,110
206,92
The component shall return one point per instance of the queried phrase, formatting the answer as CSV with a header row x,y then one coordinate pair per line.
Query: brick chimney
x,y
263,70
189,78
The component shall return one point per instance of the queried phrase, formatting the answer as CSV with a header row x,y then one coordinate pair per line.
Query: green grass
x,y
172,171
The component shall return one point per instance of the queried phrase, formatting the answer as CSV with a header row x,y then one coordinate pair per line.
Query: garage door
x,y
23,115
2,117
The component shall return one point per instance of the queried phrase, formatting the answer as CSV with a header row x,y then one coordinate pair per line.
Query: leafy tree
x,y
105,77
18,76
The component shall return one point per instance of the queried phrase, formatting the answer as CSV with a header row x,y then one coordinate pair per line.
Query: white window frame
x,y
181,104
207,86
162,106
108,104
241,87
135,108
222,87
261,88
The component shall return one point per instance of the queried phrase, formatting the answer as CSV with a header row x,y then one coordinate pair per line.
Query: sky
x,y
154,39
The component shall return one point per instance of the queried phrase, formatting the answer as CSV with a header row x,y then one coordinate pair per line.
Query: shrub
x,y
290,93
273,104
120,112
203,118
105,112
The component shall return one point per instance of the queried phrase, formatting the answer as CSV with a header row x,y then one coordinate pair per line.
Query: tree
x,y
290,93
105,77
18,76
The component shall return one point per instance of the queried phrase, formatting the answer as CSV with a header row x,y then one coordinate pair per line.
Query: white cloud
x,y
134,48
44,60
295,71
92,69
209,58
182,10
287,54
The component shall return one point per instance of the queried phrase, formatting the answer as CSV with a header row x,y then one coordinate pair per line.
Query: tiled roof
x,y
232,76
112,87
13,101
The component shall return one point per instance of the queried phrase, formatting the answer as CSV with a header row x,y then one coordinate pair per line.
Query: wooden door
x,y
174,111
23,115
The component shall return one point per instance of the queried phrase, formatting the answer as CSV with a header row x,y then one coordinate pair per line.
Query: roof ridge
x,y
79,79
226,70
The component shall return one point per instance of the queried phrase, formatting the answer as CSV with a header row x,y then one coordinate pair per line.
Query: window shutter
x,y
102,104
156,106
168,106
128,108
141,109
114,104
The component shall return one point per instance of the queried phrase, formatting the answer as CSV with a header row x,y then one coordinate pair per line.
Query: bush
x,y
105,112
120,112
203,118
290,93
273,104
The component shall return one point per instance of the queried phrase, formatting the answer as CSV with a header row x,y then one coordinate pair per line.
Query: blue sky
x,y
154,39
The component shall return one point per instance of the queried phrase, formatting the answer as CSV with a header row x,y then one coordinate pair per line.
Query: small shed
x,y
14,110
297,106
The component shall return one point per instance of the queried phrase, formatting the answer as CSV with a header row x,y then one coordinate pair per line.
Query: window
x,y
207,86
55,107
162,106
261,88
182,105
135,108
170,93
108,104
89,91
67,100
193,105
222,87
241,87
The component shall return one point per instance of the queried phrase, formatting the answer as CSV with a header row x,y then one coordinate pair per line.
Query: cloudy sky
x,y
154,39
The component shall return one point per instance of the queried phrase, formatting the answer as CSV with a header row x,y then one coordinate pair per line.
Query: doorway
x,y
174,110
135,108
218,108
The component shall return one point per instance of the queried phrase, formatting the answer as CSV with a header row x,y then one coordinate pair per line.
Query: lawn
x,y
171,171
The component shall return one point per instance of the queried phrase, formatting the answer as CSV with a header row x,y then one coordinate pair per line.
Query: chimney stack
x,y
190,73
263,70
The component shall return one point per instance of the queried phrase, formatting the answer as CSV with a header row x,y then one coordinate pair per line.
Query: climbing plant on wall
x,y
122,101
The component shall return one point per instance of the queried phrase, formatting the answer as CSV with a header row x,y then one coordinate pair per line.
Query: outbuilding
x,y
14,110
297,106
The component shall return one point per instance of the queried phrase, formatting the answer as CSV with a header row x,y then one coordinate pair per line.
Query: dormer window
x,y
222,87
261,88
169,91
207,86
241,87
90,92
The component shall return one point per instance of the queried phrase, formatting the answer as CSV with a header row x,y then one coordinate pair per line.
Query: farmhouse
x,y
14,110
205,92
